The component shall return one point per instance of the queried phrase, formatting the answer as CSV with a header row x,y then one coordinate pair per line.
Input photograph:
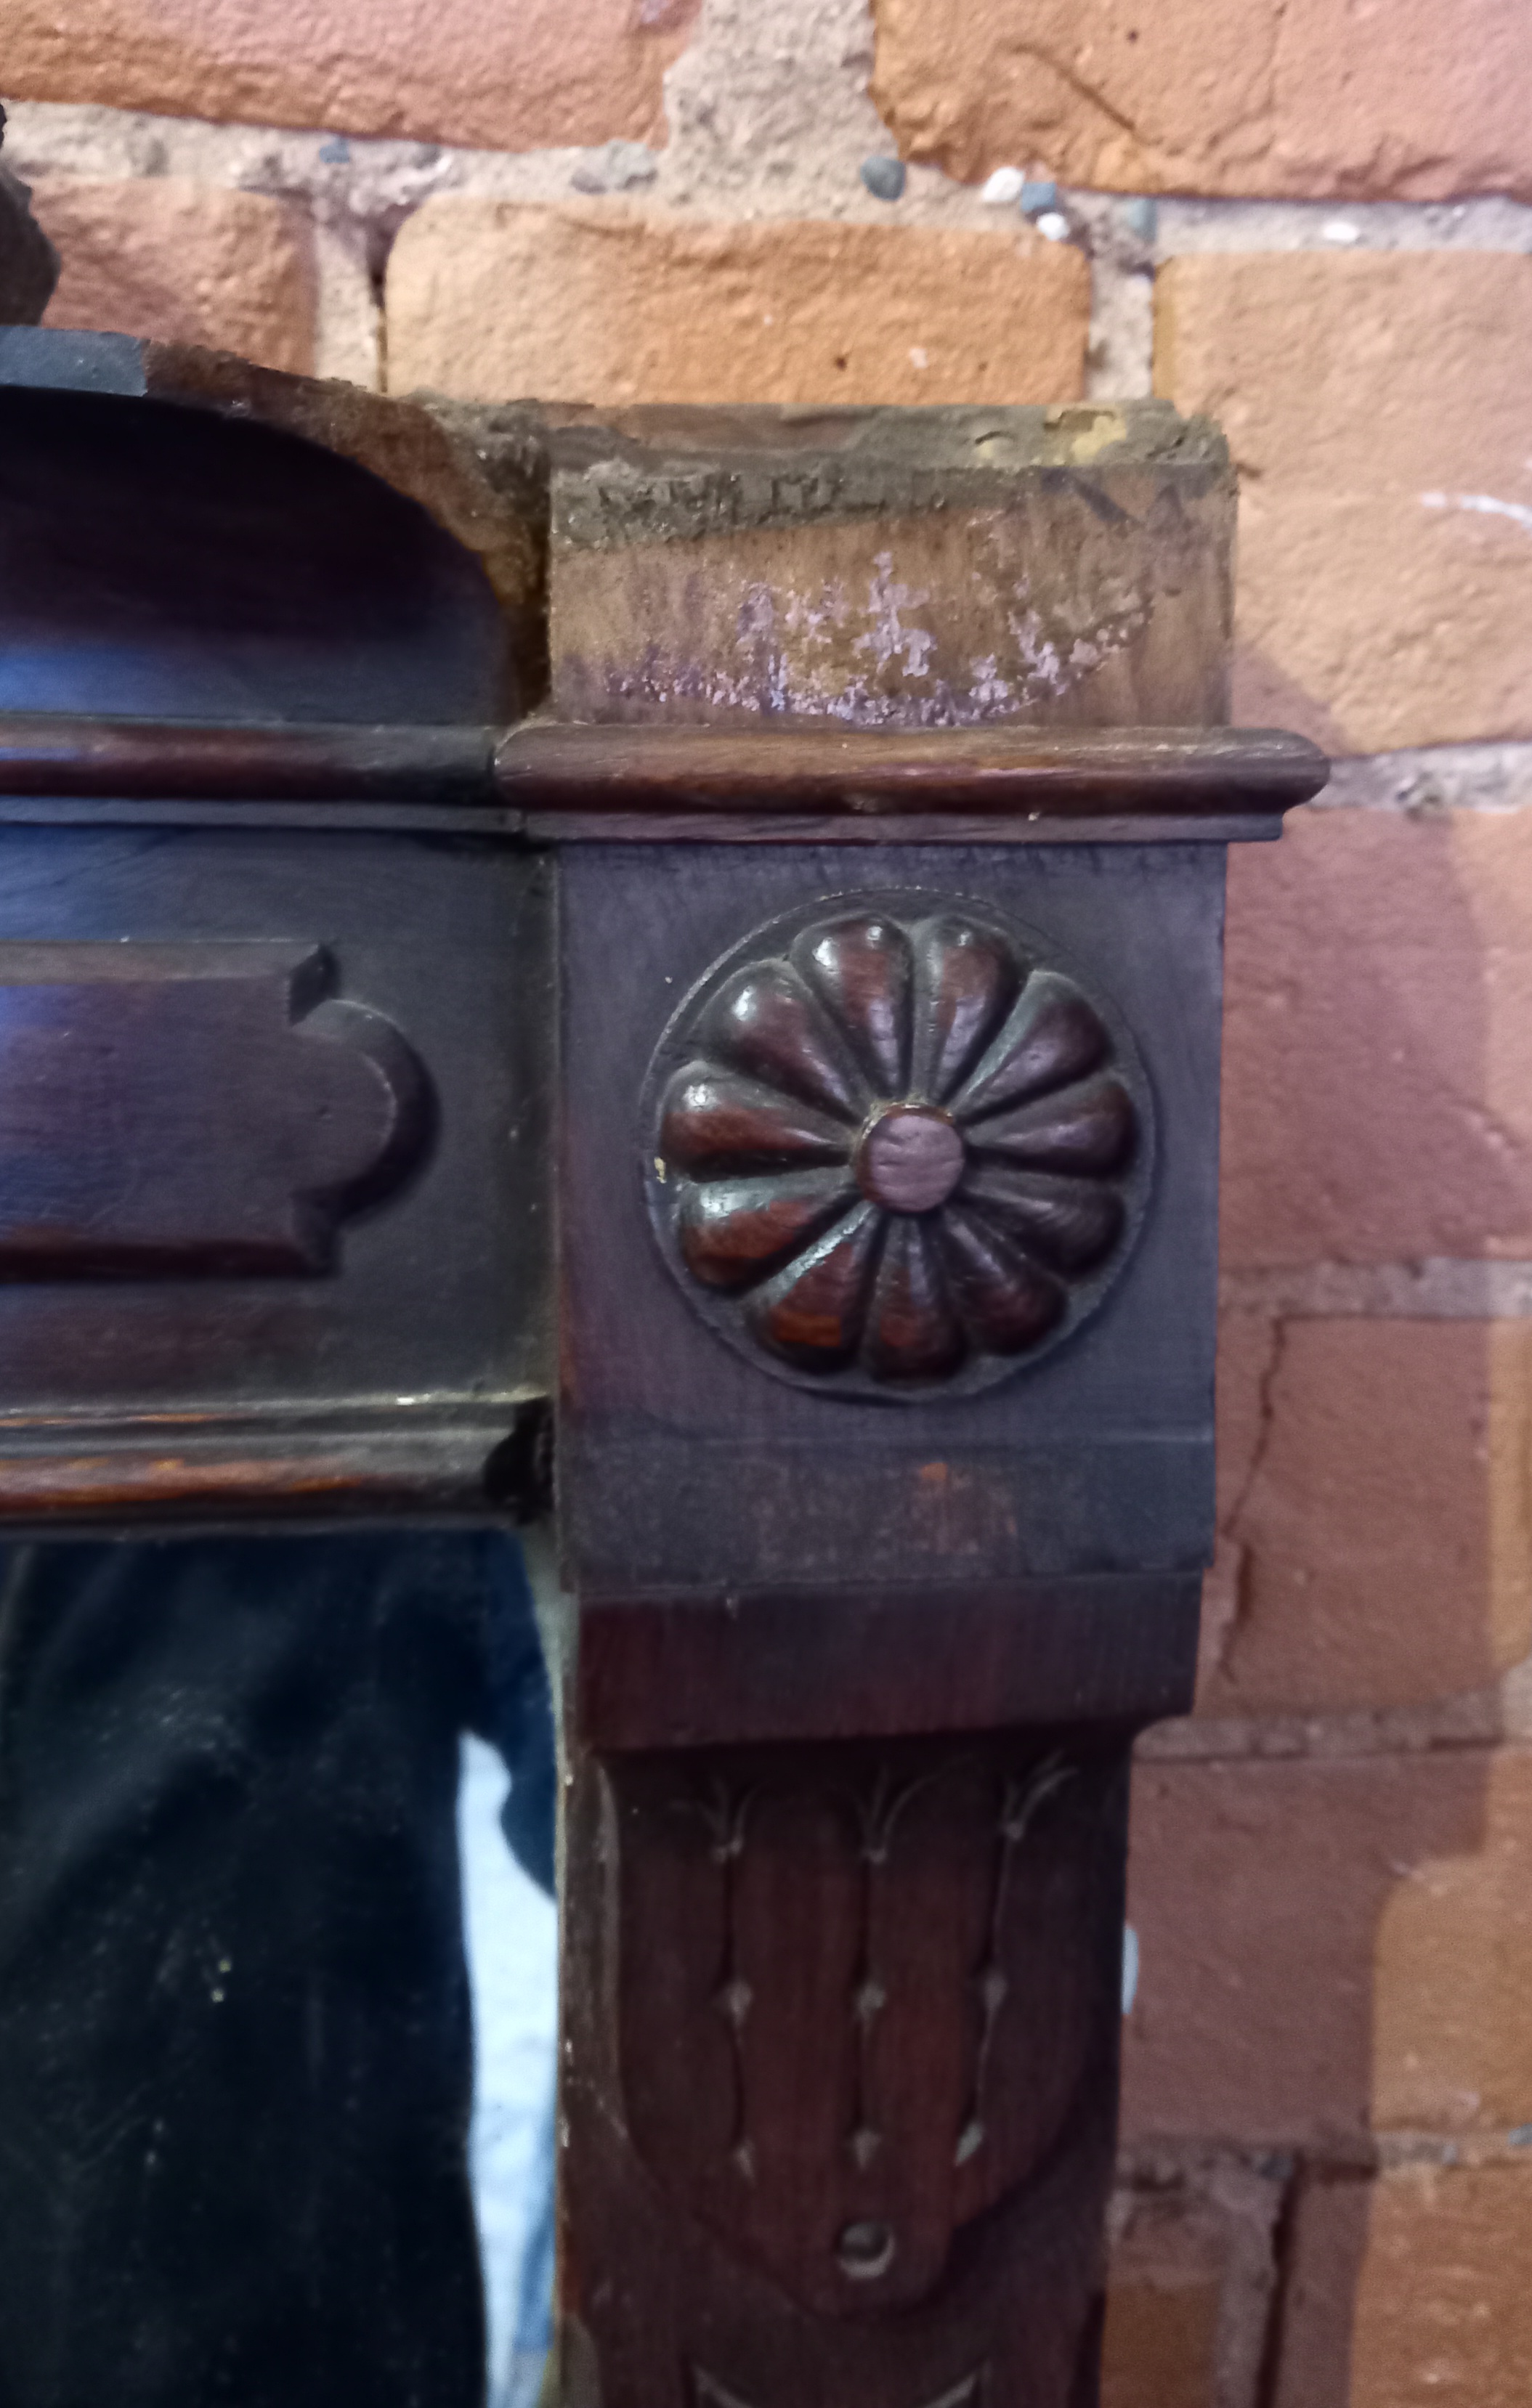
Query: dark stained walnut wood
x,y
858,2059
1149,772
270,1242
165,761
900,1150
875,773
656,1671
192,1110
190,1467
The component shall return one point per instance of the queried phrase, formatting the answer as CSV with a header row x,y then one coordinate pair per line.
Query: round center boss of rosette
x,y
895,1148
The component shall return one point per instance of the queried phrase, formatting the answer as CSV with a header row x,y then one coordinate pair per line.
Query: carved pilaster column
x,y
889,1179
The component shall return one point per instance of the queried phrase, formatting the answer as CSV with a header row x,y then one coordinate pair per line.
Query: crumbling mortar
x,y
766,119
1434,1288
1285,2235
1473,1721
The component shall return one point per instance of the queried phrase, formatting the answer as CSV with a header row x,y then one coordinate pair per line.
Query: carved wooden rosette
x,y
902,1148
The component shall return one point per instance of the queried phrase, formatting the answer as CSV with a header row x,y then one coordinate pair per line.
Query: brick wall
x,y
1313,218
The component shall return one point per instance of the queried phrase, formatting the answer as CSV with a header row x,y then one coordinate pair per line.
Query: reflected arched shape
x,y
895,1149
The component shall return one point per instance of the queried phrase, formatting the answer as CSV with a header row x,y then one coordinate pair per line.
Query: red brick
x,y
1373,1480
1331,1946
463,71
1393,98
184,262
1412,2290
611,304
1378,1040
1375,407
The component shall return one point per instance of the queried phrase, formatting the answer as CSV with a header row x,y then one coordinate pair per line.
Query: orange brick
x,y
184,262
1412,2288
1234,96
1331,1946
612,304
1378,1040
461,71
1375,406
1162,2333
1374,1480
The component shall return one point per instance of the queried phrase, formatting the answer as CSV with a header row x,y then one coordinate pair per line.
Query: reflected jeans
x,y
235,2055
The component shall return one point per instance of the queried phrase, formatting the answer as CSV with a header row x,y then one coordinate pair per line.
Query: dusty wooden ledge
x,y
998,772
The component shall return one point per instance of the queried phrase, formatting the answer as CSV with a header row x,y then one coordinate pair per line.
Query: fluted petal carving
x,y
767,1024
965,977
1072,1223
734,1231
813,1312
1008,1304
716,1121
913,1332
862,970
1051,1038
901,1153
1089,1130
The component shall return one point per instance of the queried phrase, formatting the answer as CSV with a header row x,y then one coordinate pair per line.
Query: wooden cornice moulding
x,y
545,769
1004,770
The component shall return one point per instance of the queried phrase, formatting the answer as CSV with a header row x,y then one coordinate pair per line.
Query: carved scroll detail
x,y
894,1148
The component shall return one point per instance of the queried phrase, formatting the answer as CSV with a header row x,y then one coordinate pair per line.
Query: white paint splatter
x,y
1488,505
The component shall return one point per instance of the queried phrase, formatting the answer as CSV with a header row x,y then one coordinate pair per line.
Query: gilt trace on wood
x,y
896,1146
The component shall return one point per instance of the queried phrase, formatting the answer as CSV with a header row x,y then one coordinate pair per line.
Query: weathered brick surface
x,y
1452,2037
1190,2291
1329,1945
1378,1040
1375,406
460,71
610,304
1233,96
185,262
1373,1477
1412,2290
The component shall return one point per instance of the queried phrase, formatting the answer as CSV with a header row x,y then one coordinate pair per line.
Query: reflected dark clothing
x,y
235,2040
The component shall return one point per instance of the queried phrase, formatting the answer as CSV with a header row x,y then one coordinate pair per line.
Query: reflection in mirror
x,y
235,2030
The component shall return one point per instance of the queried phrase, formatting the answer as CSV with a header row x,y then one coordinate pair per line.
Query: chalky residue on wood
x,y
1067,567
